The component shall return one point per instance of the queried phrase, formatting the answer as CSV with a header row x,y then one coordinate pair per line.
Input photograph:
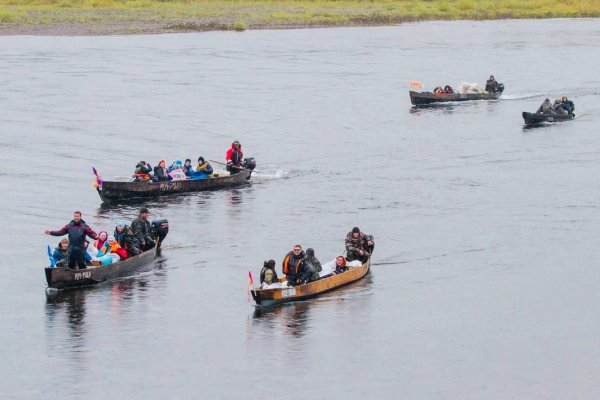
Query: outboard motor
x,y
159,230
500,87
249,163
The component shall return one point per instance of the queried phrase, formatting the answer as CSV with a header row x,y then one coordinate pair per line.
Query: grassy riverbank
x,y
148,16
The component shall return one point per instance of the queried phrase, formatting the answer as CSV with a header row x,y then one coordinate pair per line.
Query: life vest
x,y
142,177
286,264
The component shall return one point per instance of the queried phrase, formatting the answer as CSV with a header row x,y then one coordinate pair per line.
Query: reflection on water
x,y
72,302
291,318
185,199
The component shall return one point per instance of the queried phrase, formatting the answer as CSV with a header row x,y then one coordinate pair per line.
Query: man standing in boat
x,y
359,246
77,230
234,157
140,239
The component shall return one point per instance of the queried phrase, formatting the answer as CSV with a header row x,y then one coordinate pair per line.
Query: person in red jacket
x,y
234,158
77,230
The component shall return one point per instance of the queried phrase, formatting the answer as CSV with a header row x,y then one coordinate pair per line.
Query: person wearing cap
x,y
77,230
203,169
234,157
268,275
142,172
140,239
359,246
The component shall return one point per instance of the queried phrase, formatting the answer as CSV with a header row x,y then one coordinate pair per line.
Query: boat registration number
x,y
288,292
82,275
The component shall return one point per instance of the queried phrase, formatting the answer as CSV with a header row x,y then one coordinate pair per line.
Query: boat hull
x,y
427,98
539,118
270,297
65,278
116,191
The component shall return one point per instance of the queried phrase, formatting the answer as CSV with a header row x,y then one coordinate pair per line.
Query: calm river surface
x,y
485,277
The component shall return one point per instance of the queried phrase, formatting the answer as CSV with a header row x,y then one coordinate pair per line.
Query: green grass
x,y
252,14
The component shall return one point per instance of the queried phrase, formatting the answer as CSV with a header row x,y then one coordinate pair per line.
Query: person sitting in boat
x,y
293,264
160,172
491,85
438,90
203,169
115,248
340,265
312,266
142,172
568,105
234,157
120,233
140,228
268,276
60,252
101,244
176,171
188,169
77,230
546,108
358,245
448,89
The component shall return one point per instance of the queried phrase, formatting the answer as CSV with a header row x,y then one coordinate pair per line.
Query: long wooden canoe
x,y
64,278
119,191
540,118
427,98
269,297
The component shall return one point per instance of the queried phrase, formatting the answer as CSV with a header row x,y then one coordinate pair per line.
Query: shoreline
x,y
134,17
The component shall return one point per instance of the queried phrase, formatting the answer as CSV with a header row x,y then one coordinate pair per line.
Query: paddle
x,y
52,260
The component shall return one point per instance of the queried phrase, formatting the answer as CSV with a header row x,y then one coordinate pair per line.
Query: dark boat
x,y
428,98
269,297
119,191
540,118
65,278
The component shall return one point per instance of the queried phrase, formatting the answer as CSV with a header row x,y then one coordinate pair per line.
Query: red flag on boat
x,y
250,283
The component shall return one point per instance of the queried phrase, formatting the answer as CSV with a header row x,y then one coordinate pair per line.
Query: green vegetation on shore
x,y
199,15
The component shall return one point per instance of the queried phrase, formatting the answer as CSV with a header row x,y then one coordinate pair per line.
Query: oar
x,y
52,260
242,168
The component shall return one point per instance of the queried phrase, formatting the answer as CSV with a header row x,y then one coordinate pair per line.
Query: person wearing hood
x,y
491,85
120,232
142,172
546,108
268,275
312,266
358,245
293,265
176,171
234,157
77,230
160,172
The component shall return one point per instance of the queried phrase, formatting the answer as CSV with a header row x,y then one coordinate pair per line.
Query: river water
x,y
484,281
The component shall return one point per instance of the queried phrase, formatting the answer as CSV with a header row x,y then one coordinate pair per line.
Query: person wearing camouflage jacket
x,y
359,246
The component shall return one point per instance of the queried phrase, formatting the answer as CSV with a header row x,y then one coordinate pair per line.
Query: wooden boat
x,y
540,118
428,98
269,297
65,278
115,191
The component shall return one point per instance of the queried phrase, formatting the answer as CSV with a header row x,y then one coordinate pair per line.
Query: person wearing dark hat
x,y
77,230
359,246
312,266
203,169
268,275
139,240
234,157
